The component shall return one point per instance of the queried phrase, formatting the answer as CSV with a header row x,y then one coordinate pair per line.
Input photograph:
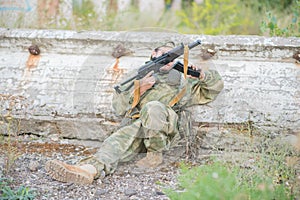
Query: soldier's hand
x,y
196,68
147,82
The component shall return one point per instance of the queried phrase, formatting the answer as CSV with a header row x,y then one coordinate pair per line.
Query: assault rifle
x,y
157,63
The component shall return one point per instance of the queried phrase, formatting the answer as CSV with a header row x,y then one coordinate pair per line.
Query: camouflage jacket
x,y
167,86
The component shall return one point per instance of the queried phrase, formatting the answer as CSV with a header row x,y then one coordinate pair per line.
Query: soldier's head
x,y
160,51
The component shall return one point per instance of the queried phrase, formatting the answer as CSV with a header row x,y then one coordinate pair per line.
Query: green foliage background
x,y
215,17
212,17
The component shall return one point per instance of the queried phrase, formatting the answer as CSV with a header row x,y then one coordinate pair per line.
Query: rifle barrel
x,y
194,44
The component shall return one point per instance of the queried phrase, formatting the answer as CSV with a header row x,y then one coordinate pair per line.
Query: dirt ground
x,y
22,160
30,155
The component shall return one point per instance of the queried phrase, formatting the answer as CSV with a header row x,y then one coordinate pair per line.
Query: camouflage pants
x,y
155,130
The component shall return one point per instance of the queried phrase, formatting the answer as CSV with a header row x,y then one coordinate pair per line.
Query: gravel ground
x,y
128,182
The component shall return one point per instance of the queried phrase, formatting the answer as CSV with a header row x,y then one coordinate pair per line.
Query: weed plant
x,y
269,176
10,153
12,126
21,193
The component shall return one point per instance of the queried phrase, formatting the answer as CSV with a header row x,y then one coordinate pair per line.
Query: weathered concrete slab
x,y
73,79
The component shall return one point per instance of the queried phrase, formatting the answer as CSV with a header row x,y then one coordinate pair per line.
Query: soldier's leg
x,y
120,146
160,128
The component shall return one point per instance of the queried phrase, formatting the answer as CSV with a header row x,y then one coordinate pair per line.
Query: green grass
x,y
268,176
220,181
20,193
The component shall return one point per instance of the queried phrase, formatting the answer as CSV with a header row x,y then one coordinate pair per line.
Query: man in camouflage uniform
x,y
152,123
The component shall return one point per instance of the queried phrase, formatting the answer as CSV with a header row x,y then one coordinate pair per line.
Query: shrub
x,y
214,17
220,181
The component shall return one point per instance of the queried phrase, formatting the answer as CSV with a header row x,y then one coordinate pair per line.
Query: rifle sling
x,y
177,97
181,93
136,100
136,94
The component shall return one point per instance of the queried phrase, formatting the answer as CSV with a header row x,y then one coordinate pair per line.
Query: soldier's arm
x,y
121,102
205,90
129,99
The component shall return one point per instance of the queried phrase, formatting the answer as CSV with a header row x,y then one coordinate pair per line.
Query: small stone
x,y
33,166
130,192
159,193
102,175
100,192
54,137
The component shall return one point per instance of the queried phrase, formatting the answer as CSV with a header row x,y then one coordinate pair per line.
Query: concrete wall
x,y
67,89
